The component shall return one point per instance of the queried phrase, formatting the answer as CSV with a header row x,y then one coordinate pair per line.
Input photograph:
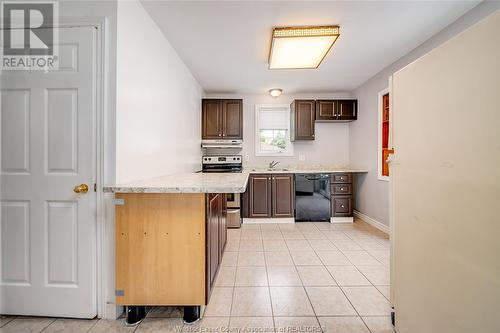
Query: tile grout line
x,y
305,290
53,321
91,327
269,289
310,303
342,290
234,282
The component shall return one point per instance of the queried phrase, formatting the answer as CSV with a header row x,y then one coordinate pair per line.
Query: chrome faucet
x,y
273,164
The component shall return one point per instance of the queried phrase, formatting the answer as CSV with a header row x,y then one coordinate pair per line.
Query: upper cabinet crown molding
x,y
222,119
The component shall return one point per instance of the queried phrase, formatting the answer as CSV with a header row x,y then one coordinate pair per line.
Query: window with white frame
x,y
272,130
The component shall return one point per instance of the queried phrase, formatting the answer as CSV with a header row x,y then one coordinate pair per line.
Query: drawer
x,y
337,189
341,205
341,178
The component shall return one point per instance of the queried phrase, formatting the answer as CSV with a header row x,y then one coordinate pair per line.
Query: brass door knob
x,y
82,188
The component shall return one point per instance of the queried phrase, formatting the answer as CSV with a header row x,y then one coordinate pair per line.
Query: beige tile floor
x,y
303,277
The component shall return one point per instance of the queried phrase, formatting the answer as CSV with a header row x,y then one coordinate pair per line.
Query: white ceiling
x,y
226,44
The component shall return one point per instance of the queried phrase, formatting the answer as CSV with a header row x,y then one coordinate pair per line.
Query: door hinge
x,y
95,187
119,292
118,202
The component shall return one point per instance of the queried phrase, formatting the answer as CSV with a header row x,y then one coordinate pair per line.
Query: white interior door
x,y
446,186
48,232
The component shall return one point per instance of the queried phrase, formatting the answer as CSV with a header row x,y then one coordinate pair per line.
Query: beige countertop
x,y
186,183
213,182
304,169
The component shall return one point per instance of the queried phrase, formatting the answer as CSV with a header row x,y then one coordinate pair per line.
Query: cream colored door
x,y
48,232
446,186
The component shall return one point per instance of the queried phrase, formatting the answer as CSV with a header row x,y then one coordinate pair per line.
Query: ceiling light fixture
x,y
301,47
275,92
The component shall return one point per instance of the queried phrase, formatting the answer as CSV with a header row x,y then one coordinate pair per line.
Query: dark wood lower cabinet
x,y
273,195
283,195
341,194
341,205
259,195
269,195
216,236
223,228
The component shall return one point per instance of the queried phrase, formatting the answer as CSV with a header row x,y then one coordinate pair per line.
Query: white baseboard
x,y
269,220
112,311
379,225
347,219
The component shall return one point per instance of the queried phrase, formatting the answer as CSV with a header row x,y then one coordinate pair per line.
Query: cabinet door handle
x,y
342,206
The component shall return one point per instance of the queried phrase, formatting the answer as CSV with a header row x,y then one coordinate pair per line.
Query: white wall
x,y
331,145
158,101
372,195
157,117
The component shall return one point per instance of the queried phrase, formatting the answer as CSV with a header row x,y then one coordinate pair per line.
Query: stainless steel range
x,y
226,164
221,163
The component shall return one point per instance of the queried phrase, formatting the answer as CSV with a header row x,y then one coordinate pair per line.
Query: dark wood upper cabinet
x,y
347,110
283,194
326,110
232,119
336,110
222,119
259,191
303,114
211,119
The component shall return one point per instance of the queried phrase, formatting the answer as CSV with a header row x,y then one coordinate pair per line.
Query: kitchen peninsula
x,y
171,233
170,237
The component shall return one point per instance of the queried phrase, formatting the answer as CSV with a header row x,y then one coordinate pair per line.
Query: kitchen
x,y
253,166
268,195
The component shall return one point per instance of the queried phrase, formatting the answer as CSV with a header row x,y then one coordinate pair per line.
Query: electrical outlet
x,y
247,158
302,157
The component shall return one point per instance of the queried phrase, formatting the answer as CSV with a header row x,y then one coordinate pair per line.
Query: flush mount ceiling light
x,y
275,92
301,47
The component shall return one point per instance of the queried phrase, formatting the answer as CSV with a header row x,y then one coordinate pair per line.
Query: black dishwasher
x,y
312,197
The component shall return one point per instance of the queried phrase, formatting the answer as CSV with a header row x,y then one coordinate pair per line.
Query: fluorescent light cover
x,y
301,47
